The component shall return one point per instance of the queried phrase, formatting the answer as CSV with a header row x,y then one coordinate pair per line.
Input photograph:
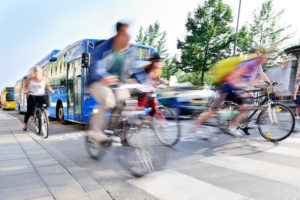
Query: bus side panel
x,y
88,104
59,95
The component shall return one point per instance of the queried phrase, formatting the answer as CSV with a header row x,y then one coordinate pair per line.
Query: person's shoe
x,y
24,129
234,132
124,142
297,117
98,137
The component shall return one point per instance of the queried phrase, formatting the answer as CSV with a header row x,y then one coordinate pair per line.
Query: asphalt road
x,y
220,168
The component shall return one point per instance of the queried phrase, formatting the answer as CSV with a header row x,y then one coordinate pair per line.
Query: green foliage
x,y
208,36
193,78
152,36
264,29
244,39
170,67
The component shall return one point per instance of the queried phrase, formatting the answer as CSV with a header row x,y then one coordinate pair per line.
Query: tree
x,y
244,39
152,36
208,35
264,30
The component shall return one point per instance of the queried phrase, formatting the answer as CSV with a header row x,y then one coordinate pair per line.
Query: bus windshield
x,y
10,94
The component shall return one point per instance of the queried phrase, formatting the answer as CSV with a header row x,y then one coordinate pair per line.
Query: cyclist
x,y
112,62
35,87
150,75
240,77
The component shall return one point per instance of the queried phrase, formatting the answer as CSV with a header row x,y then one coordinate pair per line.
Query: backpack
x,y
224,67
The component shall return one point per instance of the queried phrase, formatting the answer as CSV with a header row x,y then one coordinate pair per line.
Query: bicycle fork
x,y
272,114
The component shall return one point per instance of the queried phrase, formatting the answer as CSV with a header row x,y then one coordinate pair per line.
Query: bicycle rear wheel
x,y
225,116
44,126
166,126
277,123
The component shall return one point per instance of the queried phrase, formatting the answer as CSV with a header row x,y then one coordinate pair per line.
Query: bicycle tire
x,y
267,133
95,150
44,127
165,122
139,159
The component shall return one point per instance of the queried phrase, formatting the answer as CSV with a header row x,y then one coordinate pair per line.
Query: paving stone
x,y
98,194
53,169
44,198
13,170
12,156
58,179
24,192
19,180
44,162
67,192
8,163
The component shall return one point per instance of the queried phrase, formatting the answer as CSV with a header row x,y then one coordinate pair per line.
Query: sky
x,y
31,29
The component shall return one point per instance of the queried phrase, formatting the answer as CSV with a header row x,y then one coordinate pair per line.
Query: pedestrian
x,y
297,100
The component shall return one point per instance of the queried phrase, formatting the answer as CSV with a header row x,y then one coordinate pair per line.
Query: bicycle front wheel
x,y
276,123
166,126
141,157
44,126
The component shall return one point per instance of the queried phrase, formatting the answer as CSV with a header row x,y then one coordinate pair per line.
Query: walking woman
x,y
35,87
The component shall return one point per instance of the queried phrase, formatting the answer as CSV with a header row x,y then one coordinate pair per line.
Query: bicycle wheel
x,y
44,126
166,126
139,158
94,149
277,123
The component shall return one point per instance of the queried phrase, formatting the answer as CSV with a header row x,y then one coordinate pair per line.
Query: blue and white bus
x,y
67,71
20,97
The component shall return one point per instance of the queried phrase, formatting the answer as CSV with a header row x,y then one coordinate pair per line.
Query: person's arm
x,y
26,85
48,86
164,81
263,76
296,91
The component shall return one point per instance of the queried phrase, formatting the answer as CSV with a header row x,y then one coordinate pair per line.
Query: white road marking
x,y
172,185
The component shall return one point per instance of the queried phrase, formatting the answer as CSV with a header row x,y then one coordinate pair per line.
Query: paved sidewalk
x,y
32,169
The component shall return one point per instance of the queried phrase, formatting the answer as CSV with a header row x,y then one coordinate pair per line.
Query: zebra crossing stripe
x,y
276,172
280,150
169,184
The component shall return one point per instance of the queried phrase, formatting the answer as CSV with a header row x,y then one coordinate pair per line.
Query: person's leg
x,y
121,95
297,111
30,109
105,97
210,112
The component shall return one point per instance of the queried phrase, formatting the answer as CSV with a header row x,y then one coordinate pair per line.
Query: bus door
x,y
74,88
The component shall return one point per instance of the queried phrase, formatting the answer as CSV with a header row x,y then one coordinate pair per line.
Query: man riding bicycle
x,y
242,76
112,62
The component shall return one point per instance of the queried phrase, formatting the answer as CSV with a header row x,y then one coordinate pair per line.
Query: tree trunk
x,y
204,64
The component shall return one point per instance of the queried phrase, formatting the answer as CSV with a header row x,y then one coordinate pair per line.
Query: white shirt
x,y
37,88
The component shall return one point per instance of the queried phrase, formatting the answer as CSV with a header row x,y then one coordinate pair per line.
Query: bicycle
x,y
41,120
163,121
272,114
128,120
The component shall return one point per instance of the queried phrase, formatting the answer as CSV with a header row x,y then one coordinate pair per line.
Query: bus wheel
x,y
60,114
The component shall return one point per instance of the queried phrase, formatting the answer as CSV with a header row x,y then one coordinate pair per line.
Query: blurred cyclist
x,y
150,75
112,62
240,77
35,87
